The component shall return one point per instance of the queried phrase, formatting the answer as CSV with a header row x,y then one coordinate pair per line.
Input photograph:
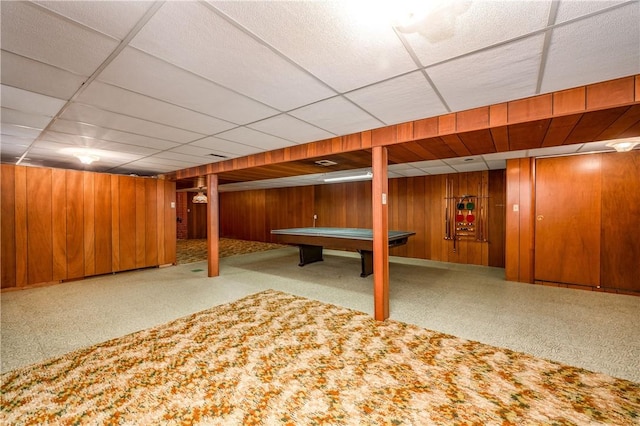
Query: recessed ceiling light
x,y
325,163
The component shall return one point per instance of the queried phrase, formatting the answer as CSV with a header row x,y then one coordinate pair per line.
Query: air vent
x,y
325,163
218,155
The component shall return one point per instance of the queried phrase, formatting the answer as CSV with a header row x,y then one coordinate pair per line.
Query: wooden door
x,y
567,220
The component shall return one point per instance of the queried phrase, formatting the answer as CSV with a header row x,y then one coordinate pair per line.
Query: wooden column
x,y
379,198
212,226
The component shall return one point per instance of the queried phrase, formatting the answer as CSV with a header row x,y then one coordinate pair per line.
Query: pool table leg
x,y
366,258
310,254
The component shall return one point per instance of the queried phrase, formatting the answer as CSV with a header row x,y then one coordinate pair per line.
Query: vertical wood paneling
x,y
127,217
8,226
151,222
160,206
75,223
21,226
512,220
59,223
103,223
213,226
89,225
141,207
527,217
496,218
64,224
115,223
620,250
39,236
170,222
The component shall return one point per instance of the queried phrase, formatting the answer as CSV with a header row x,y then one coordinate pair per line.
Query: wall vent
x,y
325,163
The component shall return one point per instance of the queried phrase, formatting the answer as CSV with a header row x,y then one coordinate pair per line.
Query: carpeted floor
x,y
189,251
274,358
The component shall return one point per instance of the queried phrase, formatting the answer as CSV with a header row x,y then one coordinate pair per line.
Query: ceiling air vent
x,y
218,155
325,163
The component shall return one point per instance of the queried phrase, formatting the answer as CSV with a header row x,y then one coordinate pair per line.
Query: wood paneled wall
x,y
617,200
415,204
63,224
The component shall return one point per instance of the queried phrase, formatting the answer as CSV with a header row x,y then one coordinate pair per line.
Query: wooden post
x,y
213,258
380,185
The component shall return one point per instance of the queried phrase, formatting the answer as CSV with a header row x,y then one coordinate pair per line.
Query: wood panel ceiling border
x,y
605,95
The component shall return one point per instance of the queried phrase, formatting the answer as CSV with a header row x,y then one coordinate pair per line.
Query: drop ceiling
x,y
155,87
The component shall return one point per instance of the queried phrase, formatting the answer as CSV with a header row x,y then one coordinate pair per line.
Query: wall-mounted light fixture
x,y
200,198
624,145
367,175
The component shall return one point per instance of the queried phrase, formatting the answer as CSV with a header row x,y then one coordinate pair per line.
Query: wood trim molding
x,y
213,228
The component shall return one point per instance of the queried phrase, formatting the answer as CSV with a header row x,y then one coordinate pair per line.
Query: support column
x,y
213,219
380,190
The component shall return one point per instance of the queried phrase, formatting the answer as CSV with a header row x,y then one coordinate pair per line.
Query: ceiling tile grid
x,y
599,48
168,84
227,55
341,43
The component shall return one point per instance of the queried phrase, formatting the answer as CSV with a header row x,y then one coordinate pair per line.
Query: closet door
x,y
567,220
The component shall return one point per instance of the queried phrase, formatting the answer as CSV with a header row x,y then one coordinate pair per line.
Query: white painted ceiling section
x,y
155,87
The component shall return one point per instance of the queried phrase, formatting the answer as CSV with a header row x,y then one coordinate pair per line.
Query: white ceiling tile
x,y
439,170
110,120
224,147
205,153
410,172
27,74
497,75
462,27
63,129
155,160
251,137
400,167
327,38
66,139
65,150
20,131
291,128
23,100
428,163
471,167
497,164
401,99
600,48
116,99
504,155
12,116
139,72
37,34
114,18
337,115
554,150
227,56
463,160
191,159
11,152
568,10
15,140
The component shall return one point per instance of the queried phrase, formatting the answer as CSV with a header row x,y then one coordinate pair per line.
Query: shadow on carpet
x,y
189,251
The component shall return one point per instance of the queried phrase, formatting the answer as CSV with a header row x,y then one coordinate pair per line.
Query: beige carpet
x,y
274,358
189,251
